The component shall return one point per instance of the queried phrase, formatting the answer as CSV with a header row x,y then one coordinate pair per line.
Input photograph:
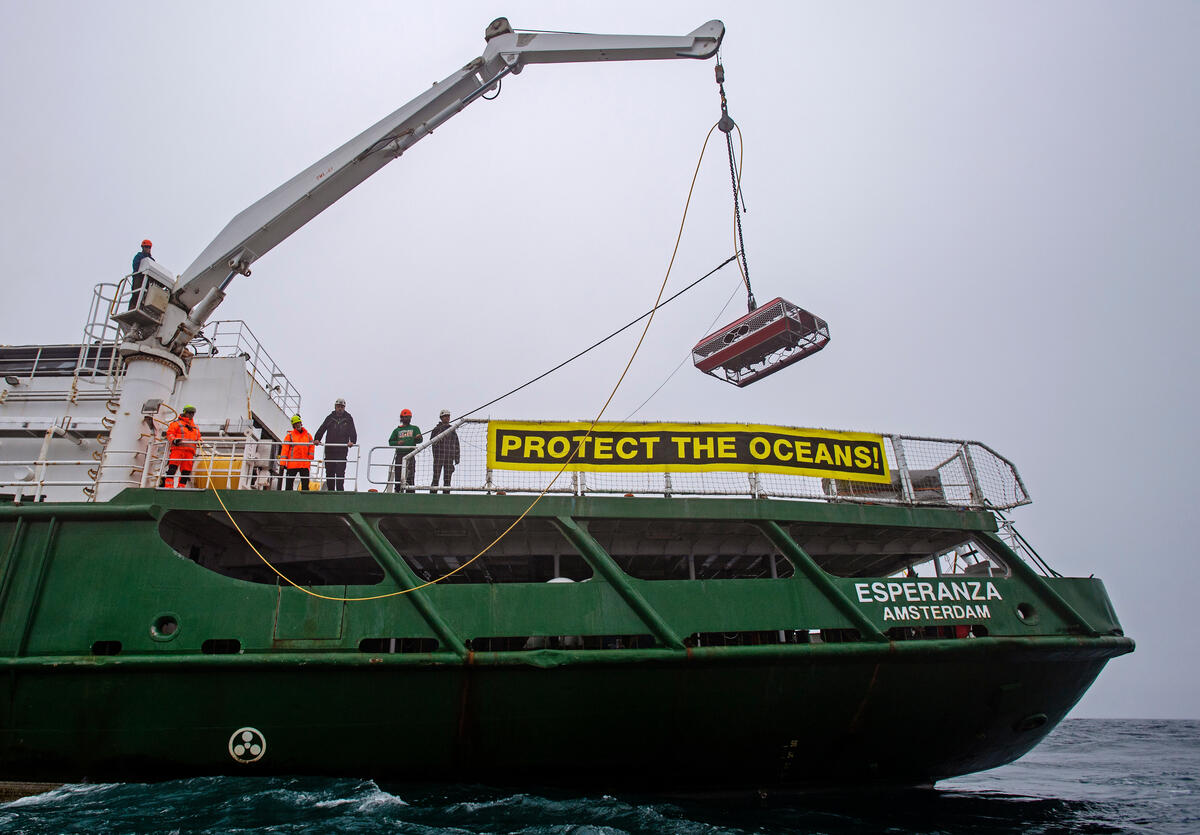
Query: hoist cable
x,y
737,217
686,356
727,125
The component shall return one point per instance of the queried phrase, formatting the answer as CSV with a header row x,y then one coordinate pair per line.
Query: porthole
x,y
165,627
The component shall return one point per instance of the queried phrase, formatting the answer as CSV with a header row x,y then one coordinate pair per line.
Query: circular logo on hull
x,y
247,745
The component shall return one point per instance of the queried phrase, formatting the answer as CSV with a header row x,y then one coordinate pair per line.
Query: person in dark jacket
x,y
339,434
137,280
445,451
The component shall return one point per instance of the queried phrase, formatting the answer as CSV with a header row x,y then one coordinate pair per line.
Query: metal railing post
x,y
976,491
906,486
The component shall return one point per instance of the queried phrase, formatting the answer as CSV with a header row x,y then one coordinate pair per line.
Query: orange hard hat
x,y
147,242
405,413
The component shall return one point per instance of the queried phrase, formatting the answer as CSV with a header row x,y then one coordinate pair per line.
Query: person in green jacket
x,y
404,438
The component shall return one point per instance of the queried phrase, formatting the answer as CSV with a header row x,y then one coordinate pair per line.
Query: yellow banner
x,y
686,447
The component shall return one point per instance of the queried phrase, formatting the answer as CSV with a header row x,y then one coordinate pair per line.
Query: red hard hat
x,y
147,242
405,413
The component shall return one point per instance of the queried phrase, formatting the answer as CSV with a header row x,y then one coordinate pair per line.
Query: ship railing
x,y
41,361
101,333
59,479
111,306
923,471
1021,546
248,464
233,337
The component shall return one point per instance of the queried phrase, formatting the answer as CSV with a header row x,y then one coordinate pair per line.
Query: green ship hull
x,y
140,642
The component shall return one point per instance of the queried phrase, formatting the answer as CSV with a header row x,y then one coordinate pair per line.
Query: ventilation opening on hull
x,y
312,549
221,646
689,549
577,642
767,637
935,633
389,646
534,551
106,648
878,551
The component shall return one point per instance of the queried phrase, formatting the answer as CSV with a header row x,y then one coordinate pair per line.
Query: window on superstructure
x,y
689,549
882,551
534,551
310,549
52,360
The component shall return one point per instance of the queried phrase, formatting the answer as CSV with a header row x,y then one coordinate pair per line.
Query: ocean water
x,y
1089,776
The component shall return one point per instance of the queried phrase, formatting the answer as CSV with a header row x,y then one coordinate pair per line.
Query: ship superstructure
x,y
59,403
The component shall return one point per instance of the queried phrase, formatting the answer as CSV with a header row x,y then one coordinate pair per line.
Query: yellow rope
x,y
567,463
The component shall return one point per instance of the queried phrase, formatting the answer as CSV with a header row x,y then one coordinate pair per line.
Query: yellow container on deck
x,y
223,473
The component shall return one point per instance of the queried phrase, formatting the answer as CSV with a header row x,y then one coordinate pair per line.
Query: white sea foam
x,y
71,791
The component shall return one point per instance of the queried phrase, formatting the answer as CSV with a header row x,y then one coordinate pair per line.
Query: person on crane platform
x,y
138,257
297,454
182,438
404,438
339,433
445,451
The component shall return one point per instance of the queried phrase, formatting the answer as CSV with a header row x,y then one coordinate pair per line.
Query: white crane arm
x,y
255,231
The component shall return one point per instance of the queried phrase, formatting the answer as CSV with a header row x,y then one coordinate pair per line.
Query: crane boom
x,y
259,228
154,346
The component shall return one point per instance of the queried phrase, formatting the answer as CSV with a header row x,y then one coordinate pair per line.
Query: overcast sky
x,y
995,206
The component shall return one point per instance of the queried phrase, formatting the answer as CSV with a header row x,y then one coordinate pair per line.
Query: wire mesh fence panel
x,y
919,471
960,473
932,471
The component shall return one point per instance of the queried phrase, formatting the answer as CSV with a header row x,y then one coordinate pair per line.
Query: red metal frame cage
x,y
772,337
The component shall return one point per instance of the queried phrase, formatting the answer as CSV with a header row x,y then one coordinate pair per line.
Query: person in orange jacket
x,y
297,455
182,438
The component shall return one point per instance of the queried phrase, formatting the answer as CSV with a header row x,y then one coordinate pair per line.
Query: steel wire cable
x,y
688,355
594,345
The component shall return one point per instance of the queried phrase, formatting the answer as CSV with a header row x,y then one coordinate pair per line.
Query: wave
x,y
1089,776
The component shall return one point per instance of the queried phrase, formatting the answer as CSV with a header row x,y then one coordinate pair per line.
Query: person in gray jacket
x,y
339,434
445,451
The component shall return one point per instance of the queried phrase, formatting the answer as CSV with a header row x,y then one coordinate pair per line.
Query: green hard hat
x,y
187,409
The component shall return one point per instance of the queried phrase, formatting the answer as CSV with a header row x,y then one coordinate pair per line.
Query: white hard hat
x,y
444,413
341,401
